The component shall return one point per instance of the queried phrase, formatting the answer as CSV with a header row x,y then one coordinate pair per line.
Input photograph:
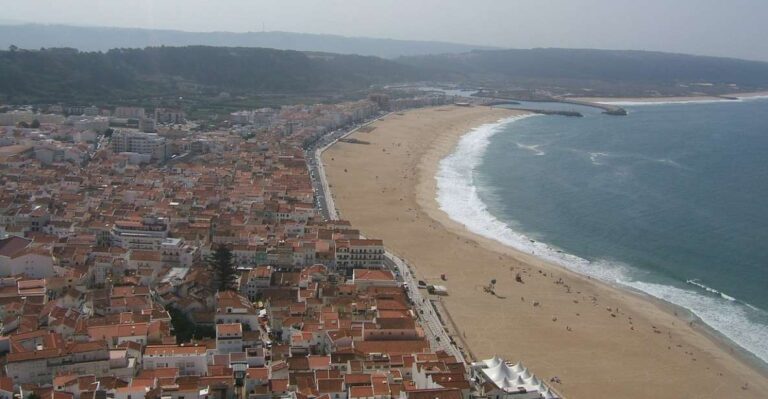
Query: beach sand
x,y
600,341
647,99
724,97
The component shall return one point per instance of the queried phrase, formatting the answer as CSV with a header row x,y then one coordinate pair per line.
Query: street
x,y
425,311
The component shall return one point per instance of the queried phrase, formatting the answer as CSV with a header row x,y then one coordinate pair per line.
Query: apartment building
x,y
140,143
149,233
359,253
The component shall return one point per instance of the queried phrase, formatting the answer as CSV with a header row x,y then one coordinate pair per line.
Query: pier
x,y
608,109
534,110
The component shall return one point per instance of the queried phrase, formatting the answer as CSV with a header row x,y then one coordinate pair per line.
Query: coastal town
x,y
111,222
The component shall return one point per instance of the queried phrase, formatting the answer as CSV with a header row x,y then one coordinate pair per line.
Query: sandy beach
x,y
598,339
724,97
647,99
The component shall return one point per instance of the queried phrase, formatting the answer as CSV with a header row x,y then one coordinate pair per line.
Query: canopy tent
x,y
510,378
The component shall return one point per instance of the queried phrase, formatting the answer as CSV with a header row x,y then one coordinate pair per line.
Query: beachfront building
x,y
364,278
501,380
359,253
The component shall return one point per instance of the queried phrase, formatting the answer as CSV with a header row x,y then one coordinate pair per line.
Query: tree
x,y
35,124
222,267
185,329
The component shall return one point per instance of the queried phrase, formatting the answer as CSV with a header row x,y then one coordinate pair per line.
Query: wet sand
x,y
600,341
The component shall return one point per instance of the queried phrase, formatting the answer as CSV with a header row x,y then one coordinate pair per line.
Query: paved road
x,y
436,333
438,337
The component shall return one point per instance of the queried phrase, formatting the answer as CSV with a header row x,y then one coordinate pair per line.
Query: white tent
x,y
511,378
518,367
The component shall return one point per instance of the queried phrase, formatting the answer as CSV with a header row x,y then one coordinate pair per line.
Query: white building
x,y
256,280
178,253
190,360
364,278
14,117
359,253
141,143
229,338
129,112
41,365
170,115
18,256
96,123
233,308
241,117
147,234
147,125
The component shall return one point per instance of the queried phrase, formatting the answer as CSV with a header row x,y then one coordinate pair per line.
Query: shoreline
x,y
543,338
453,187
672,99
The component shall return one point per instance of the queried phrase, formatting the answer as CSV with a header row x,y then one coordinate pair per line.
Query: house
x,y
364,278
255,281
229,338
18,256
54,357
234,308
189,359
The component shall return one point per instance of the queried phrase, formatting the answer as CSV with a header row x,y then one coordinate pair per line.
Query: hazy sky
x,y
736,28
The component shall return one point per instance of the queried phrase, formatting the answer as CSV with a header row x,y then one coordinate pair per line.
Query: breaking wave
x,y
457,195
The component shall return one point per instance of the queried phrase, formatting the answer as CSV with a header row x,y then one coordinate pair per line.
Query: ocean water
x,y
671,200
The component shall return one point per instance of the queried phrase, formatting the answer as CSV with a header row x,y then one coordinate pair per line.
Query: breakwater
x,y
608,109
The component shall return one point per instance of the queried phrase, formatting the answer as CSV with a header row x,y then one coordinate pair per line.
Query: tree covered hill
x,y
160,74
64,74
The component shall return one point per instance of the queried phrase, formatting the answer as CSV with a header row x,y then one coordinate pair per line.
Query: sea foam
x,y
457,195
